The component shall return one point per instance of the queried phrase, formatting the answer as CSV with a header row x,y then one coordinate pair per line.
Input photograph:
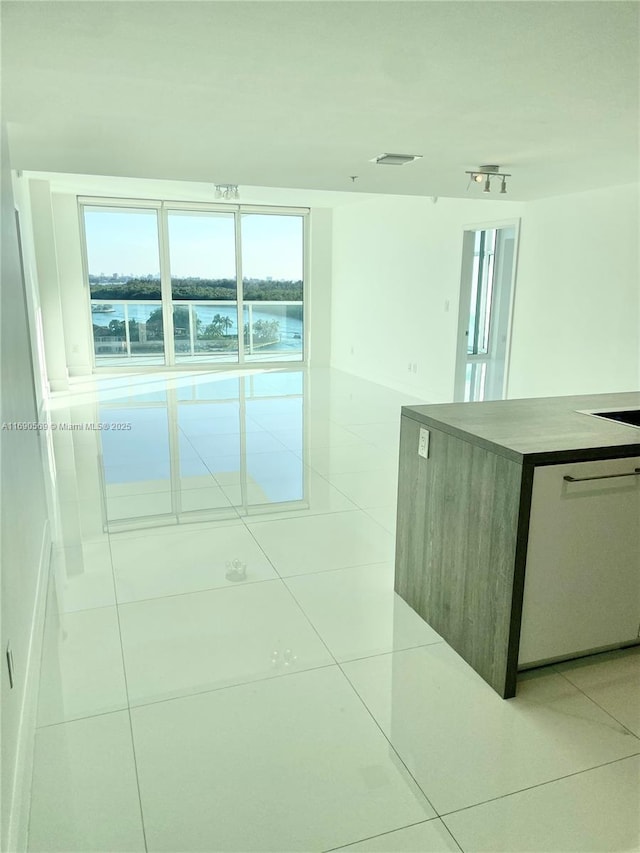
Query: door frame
x,y
468,238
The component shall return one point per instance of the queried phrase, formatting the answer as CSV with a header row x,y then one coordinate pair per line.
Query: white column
x,y
48,284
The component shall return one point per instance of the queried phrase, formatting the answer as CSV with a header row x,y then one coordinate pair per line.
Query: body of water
x,y
290,328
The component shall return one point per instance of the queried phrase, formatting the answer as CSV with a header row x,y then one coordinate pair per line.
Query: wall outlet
x,y
10,668
423,443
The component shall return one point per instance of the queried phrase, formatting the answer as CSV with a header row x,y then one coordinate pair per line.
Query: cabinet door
x,y
582,580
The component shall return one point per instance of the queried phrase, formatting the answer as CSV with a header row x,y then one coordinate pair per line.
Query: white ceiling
x,y
303,94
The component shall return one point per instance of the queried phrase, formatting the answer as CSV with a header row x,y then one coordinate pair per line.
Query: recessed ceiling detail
x,y
395,159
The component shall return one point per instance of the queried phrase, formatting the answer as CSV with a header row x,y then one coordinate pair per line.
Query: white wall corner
x,y
17,835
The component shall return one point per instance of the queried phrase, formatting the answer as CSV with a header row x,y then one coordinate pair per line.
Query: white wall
x,y
396,264
24,538
396,282
576,323
318,305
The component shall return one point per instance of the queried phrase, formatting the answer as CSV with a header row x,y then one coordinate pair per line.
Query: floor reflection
x,y
193,451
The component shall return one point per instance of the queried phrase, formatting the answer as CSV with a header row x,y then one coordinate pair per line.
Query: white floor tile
x,y
212,497
357,613
288,758
345,459
465,744
81,671
256,440
318,497
386,435
84,793
429,837
612,681
384,515
203,641
290,764
339,540
269,478
171,526
139,505
124,485
185,561
83,576
368,488
321,432
594,811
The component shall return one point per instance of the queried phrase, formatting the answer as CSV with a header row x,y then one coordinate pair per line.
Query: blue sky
x,y
126,242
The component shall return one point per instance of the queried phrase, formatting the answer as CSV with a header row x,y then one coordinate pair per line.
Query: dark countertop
x,y
540,430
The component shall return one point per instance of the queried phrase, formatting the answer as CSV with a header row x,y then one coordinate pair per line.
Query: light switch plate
x,y
423,443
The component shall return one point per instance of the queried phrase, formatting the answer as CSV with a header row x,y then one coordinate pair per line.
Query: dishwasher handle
x,y
569,479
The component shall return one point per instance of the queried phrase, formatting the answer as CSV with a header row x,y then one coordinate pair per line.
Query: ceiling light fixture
x,y
227,191
485,173
395,159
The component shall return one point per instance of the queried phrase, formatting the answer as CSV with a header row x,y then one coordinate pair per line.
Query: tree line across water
x,y
203,289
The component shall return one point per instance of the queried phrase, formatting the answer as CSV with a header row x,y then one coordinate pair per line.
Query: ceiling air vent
x,y
395,159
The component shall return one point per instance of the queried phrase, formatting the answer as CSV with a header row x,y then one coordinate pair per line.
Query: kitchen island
x,y
518,531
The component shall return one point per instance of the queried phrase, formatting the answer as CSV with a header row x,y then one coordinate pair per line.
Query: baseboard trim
x,y
21,795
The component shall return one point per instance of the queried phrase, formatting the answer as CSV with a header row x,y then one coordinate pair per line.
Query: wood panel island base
x,y
518,535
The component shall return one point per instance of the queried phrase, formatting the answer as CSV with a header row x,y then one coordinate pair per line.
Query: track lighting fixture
x,y
485,173
227,191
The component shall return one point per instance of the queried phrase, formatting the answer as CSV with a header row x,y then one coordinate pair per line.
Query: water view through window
x,y
228,292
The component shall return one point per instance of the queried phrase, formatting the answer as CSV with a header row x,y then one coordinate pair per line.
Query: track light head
x,y
485,173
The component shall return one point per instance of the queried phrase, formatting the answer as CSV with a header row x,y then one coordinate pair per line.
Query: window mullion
x,y
165,286
239,288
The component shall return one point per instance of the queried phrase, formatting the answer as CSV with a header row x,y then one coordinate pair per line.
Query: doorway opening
x,y
487,284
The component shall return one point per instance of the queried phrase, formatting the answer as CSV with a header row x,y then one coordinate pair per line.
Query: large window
x,y
172,285
272,261
202,259
123,267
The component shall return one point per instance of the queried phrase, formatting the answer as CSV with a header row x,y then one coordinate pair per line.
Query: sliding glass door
x,y
123,270
272,264
174,284
204,292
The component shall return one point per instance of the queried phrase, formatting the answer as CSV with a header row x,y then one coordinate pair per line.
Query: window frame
x,y
162,208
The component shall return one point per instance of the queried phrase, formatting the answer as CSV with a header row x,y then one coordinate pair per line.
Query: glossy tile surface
x,y
223,645
429,837
203,641
183,561
357,613
442,718
593,811
84,576
85,792
612,680
305,545
81,670
289,764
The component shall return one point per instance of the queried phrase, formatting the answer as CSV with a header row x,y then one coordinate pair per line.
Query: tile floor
x,y
227,668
